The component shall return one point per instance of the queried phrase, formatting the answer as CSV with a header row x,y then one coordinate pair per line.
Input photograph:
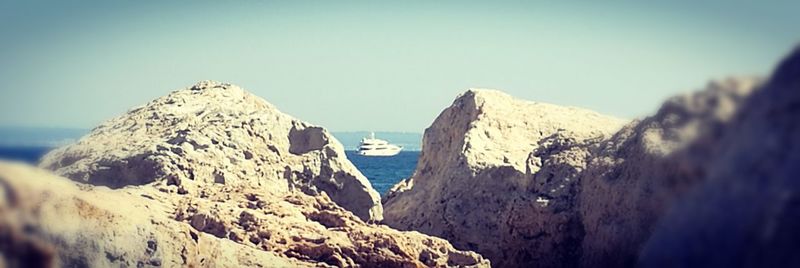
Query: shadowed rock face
x,y
534,185
215,133
307,139
638,173
746,213
498,175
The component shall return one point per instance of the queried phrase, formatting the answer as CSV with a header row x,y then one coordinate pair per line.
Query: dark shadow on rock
x,y
306,139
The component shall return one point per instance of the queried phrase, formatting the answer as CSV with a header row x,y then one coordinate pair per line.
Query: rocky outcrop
x,y
746,213
208,176
215,133
83,226
47,220
559,187
499,176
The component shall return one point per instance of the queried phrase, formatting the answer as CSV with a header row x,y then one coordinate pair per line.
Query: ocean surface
x,y
383,172
28,154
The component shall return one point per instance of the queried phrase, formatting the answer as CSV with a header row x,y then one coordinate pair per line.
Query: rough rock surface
x,y
552,186
75,225
50,220
747,212
215,133
636,175
498,176
206,176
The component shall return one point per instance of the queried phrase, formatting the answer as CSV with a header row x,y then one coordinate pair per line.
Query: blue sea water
x,y
27,154
382,172
385,171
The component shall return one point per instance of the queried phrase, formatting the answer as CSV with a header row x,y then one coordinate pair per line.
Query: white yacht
x,y
370,146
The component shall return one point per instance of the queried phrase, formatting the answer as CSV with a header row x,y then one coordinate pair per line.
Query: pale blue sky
x,y
377,66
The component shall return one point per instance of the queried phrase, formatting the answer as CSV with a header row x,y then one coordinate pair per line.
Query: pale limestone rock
x,y
398,188
76,224
208,176
83,226
216,133
498,175
579,196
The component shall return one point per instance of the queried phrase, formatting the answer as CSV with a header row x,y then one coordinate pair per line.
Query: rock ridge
x,y
215,133
490,170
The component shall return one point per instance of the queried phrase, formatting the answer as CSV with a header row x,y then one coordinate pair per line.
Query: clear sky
x,y
376,65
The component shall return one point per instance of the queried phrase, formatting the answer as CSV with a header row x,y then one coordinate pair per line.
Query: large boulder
x,y
746,213
215,133
499,176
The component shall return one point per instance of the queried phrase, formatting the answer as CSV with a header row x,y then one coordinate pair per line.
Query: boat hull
x,y
381,152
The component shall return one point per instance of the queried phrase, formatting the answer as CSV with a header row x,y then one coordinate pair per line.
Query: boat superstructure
x,y
371,146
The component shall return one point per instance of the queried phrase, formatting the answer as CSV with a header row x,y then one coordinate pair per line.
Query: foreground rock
x,y
747,211
45,219
215,133
66,224
499,176
638,173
